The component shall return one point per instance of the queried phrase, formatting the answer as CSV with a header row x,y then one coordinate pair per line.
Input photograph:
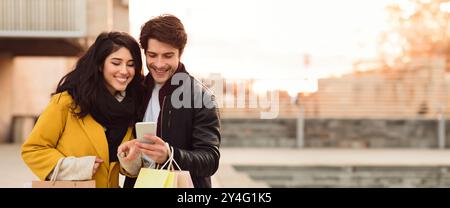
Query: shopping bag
x,y
184,179
63,184
53,183
155,178
164,178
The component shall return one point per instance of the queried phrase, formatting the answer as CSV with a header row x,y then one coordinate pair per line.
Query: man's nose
x,y
159,63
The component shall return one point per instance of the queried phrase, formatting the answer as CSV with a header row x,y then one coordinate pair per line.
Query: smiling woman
x,y
91,113
118,70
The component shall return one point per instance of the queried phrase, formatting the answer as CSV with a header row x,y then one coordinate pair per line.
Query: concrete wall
x,y
258,133
25,87
106,15
34,79
99,14
27,82
121,15
339,133
6,71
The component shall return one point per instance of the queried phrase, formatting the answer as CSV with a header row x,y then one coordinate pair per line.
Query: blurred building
x,y
418,89
402,107
40,41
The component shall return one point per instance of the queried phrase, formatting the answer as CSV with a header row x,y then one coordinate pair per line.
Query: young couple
x,y
91,116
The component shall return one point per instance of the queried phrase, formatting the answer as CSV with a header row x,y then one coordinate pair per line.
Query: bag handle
x,y
56,170
170,161
173,159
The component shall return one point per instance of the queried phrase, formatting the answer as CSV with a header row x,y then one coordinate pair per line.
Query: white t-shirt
x,y
151,115
153,108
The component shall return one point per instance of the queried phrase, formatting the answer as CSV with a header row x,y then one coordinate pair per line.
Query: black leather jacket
x,y
193,132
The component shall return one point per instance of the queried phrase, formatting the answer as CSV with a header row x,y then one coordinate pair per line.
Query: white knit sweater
x,y
75,169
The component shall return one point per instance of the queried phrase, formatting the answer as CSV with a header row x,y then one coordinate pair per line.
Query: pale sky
x,y
267,39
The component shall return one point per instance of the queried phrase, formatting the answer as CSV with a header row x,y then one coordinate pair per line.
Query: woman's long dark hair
x,y
82,83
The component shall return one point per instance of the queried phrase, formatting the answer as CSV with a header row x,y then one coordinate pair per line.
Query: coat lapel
x,y
96,135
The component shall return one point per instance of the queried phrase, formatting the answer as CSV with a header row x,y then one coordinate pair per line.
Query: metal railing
x,y
42,18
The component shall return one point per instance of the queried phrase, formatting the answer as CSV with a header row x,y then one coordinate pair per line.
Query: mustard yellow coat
x,y
58,134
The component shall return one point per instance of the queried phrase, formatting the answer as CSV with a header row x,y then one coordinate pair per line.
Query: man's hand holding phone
x,y
146,142
157,150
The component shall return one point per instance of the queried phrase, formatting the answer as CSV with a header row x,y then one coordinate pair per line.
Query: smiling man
x,y
193,131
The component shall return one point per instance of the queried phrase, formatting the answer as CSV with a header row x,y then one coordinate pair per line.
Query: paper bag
x,y
53,183
184,179
164,178
155,178
63,184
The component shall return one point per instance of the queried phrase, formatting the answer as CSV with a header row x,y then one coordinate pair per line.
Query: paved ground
x,y
15,173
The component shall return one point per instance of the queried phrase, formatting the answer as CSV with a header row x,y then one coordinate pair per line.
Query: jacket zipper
x,y
162,113
170,112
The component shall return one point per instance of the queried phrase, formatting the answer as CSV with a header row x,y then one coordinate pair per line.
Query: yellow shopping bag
x,y
164,178
155,178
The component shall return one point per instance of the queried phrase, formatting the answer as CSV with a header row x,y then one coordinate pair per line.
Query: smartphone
x,y
143,128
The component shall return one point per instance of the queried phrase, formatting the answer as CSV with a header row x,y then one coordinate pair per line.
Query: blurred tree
x,y
418,28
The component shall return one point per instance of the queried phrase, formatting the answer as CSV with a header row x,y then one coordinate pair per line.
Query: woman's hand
x,y
128,151
97,164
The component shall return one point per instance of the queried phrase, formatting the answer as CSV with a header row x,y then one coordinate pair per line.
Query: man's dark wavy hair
x,y
165,28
